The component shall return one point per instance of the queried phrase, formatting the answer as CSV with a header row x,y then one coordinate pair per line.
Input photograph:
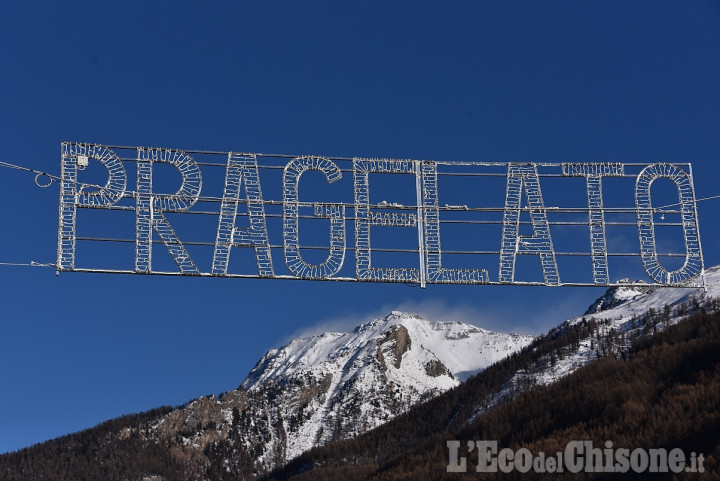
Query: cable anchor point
x,y
40,182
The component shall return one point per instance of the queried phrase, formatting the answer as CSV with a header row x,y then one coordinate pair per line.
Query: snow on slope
x,y
631,304
615,296
628,305
339,385
463,348
658,297
327,387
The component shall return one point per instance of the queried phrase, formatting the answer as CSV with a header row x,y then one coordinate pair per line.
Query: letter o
x,y
693,265
523,460
639,460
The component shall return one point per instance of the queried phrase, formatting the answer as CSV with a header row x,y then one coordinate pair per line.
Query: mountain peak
x,y
403,315
353,381
385,322
616,296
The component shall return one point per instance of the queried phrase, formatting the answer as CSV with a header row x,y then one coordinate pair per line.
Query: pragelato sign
x,y
229,214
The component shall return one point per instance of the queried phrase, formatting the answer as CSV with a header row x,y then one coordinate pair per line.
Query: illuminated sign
x,y
194,213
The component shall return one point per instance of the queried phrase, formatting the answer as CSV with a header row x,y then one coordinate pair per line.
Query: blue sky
x,y
612,81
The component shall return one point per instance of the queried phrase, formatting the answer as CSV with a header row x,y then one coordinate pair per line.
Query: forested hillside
x,y
663,392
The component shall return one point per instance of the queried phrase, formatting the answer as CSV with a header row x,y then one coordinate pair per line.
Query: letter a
x,y
525,177
242,168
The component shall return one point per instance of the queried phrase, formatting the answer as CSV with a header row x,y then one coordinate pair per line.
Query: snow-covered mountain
x,y
645,372
334,386
462,348
615,296
615,319
630,301
338,385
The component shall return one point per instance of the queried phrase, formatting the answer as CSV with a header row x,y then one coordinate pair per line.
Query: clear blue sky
x,y
621,81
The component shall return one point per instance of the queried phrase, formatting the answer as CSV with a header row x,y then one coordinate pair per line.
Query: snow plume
x,y
430,309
